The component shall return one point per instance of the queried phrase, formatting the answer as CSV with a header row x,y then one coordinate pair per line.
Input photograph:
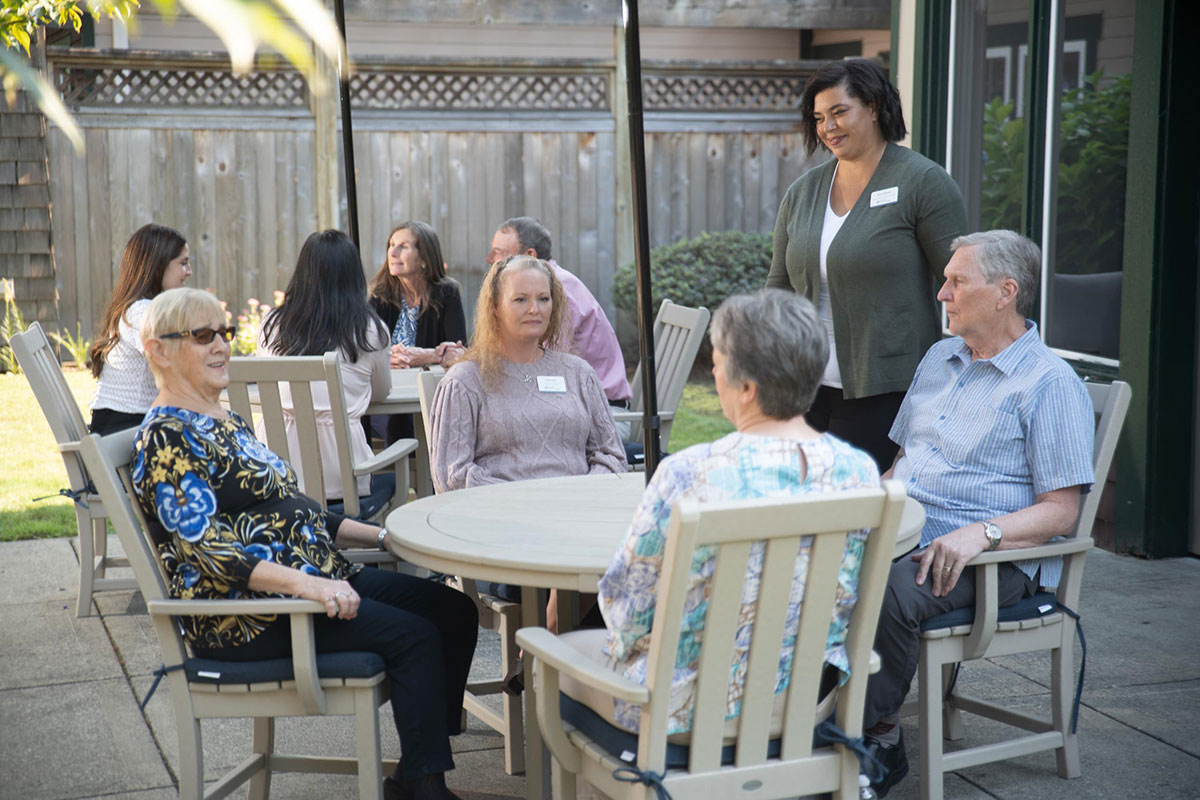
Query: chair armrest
x,y
634,416
1063,548
565,659
264,605
68,447
387,457
304,649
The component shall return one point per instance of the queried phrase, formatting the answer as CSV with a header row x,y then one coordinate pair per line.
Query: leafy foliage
x,y
1093,151
11,323
701,271
19,19
75,345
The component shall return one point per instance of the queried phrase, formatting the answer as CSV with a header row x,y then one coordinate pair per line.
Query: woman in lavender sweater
x,y
514,407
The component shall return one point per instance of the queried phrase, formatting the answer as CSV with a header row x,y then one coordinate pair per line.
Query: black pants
x,y
863,422
897,639
106,421
425,633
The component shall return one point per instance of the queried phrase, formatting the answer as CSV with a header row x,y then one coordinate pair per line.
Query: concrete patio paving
x,y
70,725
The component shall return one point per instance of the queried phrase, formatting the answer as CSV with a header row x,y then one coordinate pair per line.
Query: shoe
x,y
396,790
514,680
894,763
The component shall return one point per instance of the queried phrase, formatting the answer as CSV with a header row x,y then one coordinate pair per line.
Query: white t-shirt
x,y
126,383
830,228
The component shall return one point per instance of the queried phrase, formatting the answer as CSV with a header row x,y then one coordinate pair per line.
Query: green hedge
x,y
701,271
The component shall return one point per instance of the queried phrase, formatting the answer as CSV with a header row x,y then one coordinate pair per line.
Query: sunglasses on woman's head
x,y
203,335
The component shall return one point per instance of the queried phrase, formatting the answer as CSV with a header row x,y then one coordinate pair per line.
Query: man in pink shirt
x,y
595,341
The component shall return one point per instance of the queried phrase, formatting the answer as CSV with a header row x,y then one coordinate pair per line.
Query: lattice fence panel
x,y
480,91
180,86
704,93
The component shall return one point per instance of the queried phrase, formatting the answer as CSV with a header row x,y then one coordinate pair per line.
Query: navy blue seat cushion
x,y
617,741
1039,605
348,664
383,486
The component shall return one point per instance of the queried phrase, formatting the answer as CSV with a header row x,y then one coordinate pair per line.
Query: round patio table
x,y
552,533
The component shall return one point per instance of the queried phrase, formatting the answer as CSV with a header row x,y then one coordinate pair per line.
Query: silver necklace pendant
x,y
528,378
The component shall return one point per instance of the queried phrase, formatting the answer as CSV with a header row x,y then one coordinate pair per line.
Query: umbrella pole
x,y
347,131
637,152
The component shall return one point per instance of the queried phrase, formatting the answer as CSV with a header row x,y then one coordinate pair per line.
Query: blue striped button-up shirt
x,y
983,438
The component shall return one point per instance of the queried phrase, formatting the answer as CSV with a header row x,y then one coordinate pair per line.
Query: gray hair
x,y
774,338
532,235
1002,254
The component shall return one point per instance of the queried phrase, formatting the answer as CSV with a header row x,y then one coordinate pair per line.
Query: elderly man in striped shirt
x,y
995,439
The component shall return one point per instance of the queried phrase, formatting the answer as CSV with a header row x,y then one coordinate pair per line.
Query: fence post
x,y
623,187
325,147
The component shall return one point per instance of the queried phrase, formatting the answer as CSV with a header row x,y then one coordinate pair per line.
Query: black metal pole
x,y
641,226
347,132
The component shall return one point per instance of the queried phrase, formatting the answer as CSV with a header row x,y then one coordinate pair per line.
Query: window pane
x,y
1003,169
1083,308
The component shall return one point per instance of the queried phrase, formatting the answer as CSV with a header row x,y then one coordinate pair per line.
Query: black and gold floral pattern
x,y
218,502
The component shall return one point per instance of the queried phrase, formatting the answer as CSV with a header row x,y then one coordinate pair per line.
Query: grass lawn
x,y
31,466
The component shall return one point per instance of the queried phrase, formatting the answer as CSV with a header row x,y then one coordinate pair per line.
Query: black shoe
x,y
514,680
894,763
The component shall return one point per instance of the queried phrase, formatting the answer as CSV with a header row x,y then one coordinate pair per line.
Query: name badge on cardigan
x,y
552,383
885,197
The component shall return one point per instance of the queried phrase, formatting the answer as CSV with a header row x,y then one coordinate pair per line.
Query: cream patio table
x,y
553,533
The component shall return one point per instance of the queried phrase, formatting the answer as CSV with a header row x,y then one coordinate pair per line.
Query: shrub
x,y
1093,149
699,272
11,323
76,346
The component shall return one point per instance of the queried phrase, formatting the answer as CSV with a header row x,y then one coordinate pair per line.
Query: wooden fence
x,y
235,163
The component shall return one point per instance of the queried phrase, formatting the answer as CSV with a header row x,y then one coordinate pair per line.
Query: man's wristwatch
x,y
992,531
382,540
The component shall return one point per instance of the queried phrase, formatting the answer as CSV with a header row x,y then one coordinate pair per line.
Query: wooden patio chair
x,y
302,375
678,333
767,751
307,684
1045,621
495,614
41,367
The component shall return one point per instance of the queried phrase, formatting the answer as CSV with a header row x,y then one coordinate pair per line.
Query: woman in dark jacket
x,y
420,305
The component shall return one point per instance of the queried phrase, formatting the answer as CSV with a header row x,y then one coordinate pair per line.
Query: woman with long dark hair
x,y
325,308
420,305
155,259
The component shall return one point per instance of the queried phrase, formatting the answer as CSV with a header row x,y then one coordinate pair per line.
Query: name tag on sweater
x,y
552,383
885,197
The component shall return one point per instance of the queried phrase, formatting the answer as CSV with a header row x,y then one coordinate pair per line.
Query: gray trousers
x,y
897,639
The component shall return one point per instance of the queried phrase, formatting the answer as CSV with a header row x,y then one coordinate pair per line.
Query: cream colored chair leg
x,y
263,742
191,758
848,785
514,729
563,780
930,700
100,546
367,748
1062,695
87,563
951,716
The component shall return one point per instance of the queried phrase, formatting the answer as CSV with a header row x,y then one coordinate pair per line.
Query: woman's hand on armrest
x,y
338,597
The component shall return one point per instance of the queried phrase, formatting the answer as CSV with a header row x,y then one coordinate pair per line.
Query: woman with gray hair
x,y
769,352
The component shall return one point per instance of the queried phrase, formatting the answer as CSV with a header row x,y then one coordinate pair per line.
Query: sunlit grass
x,y
698,418
30,466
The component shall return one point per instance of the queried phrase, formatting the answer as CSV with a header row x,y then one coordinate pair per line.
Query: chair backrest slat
x,y
678,333
1110,402
299,381
712,674
36,357
784,526
427,382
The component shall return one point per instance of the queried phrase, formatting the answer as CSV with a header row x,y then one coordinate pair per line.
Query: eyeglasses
x,y
203,335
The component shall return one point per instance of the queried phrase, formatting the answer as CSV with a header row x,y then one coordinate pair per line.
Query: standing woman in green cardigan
x,y
865,236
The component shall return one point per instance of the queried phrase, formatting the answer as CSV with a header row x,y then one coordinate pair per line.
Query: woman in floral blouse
x,y
769,351
230,521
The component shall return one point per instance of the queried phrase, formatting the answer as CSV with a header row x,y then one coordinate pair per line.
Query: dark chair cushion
x,y
383,486
617,741
1039,605
349,664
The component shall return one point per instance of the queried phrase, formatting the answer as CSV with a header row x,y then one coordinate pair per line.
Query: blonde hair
x,y
178,310
486,348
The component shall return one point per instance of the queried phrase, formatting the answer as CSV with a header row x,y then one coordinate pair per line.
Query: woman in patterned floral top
x,y
230,521
769,351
